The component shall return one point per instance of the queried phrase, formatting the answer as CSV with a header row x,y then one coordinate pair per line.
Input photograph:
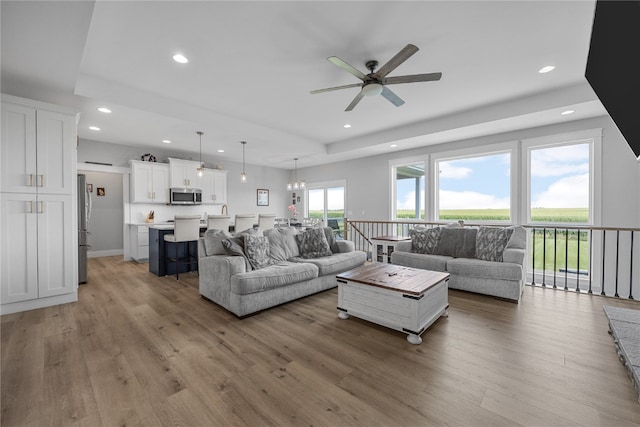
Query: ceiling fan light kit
x,y
375,83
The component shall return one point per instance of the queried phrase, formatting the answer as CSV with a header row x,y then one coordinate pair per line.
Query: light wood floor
x,y
138,350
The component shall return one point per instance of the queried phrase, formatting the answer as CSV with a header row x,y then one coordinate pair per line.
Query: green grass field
x,y
561,215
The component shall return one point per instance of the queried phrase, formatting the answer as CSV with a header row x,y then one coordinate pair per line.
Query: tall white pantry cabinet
x,y
38,205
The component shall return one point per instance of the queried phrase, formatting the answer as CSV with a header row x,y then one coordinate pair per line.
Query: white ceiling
x,y
252,65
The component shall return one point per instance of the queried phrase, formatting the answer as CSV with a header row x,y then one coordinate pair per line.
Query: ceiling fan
x,y
375,82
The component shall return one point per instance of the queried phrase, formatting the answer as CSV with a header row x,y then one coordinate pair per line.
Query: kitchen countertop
x,y
162,225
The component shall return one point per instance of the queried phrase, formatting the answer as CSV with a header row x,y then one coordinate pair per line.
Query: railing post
x,y
590,260
566,258
617,259
604,244
533,258
578,265
544,257
631,269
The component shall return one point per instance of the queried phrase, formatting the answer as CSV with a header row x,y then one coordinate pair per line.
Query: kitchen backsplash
x,y
163,213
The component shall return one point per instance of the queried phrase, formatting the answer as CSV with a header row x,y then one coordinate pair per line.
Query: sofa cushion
x,y
491,242
235,245
256,248
273,276
312,243
518,239
336,263
423,261
485,269
331,239
424,240
457,242
282,243
213,242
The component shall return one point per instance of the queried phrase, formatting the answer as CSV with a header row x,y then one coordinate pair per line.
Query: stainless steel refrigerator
x,y
84,213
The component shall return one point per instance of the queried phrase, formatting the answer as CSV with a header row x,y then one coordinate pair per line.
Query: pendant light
x,y
201,167
296,185
243,175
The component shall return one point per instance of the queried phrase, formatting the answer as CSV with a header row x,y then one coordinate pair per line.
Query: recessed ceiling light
x,y
104,110
220,151
546,69
166,141
347,126
96,128
178,57
393,145
564,113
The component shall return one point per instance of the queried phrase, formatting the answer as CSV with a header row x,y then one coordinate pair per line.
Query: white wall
x,y
368,178
105,224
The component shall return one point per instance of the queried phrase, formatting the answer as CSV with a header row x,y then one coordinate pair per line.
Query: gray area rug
x,y
624,327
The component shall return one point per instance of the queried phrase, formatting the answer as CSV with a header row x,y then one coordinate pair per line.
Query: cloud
x,y
558,161
409,201
471,200
569,192
447,170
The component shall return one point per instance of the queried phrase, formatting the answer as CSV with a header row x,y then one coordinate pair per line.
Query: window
x,y
408,184
326,202
559,183
474,188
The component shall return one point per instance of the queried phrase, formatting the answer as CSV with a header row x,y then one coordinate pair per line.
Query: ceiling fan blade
x,y
350,68
412,79
393,63
392,97
355,101
329,89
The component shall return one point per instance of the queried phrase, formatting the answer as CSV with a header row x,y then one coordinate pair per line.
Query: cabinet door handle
x,y
41,207
149,195
154,195
30,180
30,206
42,180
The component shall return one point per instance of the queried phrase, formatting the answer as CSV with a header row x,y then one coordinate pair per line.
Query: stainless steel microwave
x,y
185,196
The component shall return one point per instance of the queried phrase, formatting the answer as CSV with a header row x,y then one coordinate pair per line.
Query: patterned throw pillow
x,y
313,243
256,248
424,241
491,241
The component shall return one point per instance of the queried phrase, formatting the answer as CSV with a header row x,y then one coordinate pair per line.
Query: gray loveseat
x,y
267,268
486,260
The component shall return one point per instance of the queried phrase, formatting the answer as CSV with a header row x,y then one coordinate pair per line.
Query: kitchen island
x,y
157,254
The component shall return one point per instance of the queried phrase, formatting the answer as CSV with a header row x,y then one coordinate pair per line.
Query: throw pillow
x,y
213,242
457,242
235,246
491,242
331,239
256,248
424,240
312,243
282,243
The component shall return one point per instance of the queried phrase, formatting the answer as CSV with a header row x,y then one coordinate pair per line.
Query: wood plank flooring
x,y
138,350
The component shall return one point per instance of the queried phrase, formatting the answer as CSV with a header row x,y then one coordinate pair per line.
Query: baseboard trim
x,y
111,252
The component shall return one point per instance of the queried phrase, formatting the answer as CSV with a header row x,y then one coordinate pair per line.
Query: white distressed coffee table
x,y
401,298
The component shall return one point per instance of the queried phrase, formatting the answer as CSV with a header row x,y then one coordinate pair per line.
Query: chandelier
x,y
295,185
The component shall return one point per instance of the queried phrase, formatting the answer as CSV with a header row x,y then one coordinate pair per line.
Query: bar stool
x,y
266,221
186,230
218,222
244,222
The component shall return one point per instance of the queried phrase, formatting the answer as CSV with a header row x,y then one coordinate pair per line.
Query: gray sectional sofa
x,y
258,270
486,260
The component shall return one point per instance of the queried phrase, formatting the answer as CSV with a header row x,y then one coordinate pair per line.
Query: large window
x,y
408,184
474,188
560,184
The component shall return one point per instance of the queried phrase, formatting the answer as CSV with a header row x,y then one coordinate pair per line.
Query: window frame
x,y
407,161
510,148
593,137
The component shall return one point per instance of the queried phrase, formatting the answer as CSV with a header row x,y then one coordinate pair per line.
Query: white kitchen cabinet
x,y
37,249
149,182
214,187
38,221
139,242
184,173
38,146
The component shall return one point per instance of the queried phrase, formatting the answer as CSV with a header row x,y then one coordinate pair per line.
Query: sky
x,y
559,179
